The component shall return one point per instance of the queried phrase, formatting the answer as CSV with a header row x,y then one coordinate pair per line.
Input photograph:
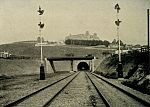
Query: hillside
x,y
18,67
21,49
30,50
135,68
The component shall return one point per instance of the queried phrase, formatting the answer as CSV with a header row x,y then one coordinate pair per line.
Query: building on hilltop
x,y
86,36
83,39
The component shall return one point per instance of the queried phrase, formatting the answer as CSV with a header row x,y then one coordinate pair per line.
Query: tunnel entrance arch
x,y
82,66
76,63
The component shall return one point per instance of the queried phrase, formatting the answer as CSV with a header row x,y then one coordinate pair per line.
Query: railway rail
x,y
99,92
92,97
105,94
19,101
137,99
49,101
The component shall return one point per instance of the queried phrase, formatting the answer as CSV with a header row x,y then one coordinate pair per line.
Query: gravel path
x,y
79,93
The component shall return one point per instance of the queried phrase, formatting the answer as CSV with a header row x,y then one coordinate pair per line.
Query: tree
x,y
114,41
68,41
39,39
87,33
95,34
121,43
106,43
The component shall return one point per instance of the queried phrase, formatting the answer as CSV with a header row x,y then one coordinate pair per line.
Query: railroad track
x,y
49,95
107,104
137,101
47,104
27,101
90,95
102,93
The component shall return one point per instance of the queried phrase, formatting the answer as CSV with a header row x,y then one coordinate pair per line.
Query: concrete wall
x,y
66,65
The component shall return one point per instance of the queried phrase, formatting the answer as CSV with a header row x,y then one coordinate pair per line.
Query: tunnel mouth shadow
x,y
83,66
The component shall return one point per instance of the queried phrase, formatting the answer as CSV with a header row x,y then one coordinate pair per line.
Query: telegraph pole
x,y
41,26
148,40
117,22
41,47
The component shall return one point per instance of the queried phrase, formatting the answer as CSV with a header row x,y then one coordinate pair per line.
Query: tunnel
x,y
83,66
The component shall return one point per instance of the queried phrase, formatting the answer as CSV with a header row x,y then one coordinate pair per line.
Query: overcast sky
x,y
19,19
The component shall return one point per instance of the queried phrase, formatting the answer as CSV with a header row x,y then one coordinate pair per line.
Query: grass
x,y
18,67
29,49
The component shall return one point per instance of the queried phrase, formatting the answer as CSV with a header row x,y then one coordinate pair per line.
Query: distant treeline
x,y
87,42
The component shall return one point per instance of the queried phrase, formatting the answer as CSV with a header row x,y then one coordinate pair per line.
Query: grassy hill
x,y
29,49
21,49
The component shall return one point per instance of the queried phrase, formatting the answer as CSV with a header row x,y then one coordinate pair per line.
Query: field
x,y
30,50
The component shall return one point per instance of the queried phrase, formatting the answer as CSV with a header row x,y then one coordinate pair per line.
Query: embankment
x,y
135,70
13,67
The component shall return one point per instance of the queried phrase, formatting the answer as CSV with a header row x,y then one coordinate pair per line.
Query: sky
x,y
19,19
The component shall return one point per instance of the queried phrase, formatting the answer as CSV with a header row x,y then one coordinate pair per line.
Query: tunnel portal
x,y
82,66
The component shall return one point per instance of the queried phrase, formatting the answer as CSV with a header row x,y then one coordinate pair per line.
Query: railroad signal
x,y
117,7
41,26
119,68
118,22
40,11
